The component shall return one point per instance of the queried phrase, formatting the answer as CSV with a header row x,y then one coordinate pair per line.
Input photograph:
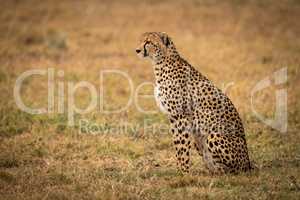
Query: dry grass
x,y
233,41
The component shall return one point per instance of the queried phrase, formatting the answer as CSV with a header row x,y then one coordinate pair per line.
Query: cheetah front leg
x,y
181,131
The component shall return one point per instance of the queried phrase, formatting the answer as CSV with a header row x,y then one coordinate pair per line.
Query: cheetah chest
x,y
160,99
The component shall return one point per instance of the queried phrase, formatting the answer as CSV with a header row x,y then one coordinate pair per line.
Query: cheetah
x,y
196,109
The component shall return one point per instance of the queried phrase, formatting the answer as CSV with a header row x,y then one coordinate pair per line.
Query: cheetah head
x,y
155,46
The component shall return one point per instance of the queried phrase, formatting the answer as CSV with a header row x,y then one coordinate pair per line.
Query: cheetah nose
x,y
138,50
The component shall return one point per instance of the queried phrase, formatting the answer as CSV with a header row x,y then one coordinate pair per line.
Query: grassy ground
x,y
242,42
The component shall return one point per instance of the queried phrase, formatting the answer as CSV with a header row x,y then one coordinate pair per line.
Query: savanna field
x,y
129,155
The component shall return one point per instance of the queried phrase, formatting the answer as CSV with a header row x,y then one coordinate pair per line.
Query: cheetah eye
x,y
146,43
146,46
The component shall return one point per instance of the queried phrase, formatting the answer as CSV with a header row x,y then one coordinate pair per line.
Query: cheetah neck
x,y
163,66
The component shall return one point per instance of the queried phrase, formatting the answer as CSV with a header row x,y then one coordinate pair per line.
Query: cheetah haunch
x,y
196,108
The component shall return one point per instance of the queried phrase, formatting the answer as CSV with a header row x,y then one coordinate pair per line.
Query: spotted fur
x,y
196,108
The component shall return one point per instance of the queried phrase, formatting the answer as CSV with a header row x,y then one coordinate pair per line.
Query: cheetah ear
x,y
165,38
